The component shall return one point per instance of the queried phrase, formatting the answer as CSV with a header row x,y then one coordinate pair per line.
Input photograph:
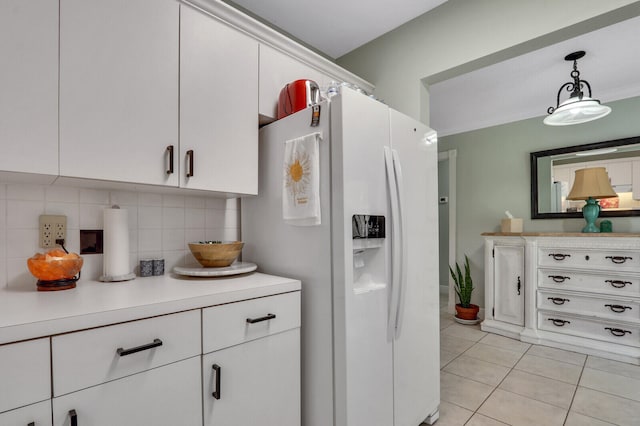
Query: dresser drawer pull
x,y
618,332
217,370
619,259
559,322
558,300
617,308
73,417
559,256
618,283
264,318
125,352
559,278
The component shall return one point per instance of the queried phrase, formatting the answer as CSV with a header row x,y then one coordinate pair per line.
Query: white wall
x,y
160,225
463,35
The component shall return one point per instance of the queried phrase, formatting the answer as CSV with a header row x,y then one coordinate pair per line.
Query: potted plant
x,y
466,312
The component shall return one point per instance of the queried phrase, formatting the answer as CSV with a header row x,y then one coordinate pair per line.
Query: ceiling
x,y
336,27
525,86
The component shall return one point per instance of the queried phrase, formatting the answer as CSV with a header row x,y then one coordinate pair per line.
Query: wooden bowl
x,y
215,254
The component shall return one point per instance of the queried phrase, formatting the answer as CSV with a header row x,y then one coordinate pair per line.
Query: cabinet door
x,y
509,284
118,89
257,382
29,86
218,106
37,414
168,395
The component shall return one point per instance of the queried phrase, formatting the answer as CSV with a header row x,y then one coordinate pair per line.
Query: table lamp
x,y
590,184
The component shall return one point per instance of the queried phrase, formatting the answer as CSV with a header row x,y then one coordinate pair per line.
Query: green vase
x,y
590,211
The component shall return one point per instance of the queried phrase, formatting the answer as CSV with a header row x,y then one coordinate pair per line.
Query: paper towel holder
x,y
112,222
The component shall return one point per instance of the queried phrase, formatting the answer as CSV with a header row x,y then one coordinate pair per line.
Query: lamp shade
x,y
575,111
592,182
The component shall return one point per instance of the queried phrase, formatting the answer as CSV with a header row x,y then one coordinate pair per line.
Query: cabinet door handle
x,y
618,332
125,352
559,256
619,259
264,318
170,155
618,283
559,278
73,417
617,308
558,300
519,285
559,322
32,424
190,159
217,370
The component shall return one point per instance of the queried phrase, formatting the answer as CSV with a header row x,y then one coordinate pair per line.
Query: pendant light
x,y
578,108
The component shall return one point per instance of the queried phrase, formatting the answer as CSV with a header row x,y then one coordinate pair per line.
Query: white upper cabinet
x,y
276,70
218,106
119,89
29,86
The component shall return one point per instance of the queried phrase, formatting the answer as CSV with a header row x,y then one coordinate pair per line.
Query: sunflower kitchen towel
x,y
301,181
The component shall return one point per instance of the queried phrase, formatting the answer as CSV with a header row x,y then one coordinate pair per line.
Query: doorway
x,y
447,224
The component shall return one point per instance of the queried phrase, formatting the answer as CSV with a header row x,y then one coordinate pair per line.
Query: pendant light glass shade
x,y
576,111
578,108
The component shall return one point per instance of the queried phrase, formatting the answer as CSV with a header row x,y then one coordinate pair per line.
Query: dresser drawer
x,y
612,260
620,309
25,373
90,357
601,283
609,331
234,323
39,414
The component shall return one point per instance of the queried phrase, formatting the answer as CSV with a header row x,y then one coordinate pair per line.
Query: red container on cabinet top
x,y
297,95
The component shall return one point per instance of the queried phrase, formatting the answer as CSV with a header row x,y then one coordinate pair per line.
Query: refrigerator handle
x,y
397,167
395,242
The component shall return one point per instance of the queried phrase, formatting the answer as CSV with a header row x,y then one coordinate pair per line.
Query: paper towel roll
x,y
116,246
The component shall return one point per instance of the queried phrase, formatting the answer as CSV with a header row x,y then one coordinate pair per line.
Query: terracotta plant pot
x,y
470,313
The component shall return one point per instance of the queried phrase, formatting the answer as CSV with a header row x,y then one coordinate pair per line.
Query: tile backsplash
x,y
160,225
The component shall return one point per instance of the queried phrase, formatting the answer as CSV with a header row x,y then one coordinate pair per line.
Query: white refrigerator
x,y
369,270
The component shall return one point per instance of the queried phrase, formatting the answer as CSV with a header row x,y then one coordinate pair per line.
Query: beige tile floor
x,y
489,380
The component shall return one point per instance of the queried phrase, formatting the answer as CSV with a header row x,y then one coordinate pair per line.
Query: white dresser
x,y
581,292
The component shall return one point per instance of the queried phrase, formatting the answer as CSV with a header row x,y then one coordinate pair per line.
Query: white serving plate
x,y
201,271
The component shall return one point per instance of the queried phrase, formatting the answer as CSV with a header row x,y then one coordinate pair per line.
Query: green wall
x,y
493,175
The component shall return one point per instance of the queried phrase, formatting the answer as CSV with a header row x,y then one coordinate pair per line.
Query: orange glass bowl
x,y
54,265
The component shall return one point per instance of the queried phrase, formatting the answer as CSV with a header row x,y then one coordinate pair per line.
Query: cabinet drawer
x,y
90,357
617,309
234,323
614,260
608,331
602,283
38,414
25,374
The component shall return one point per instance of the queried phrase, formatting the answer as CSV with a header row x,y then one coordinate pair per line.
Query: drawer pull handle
x,y
264,318
559,322
519,285
618,332
559,278
558,300
217,370
617,308
170,155
32,424
619,259
74,417
125,352
559,256
618,283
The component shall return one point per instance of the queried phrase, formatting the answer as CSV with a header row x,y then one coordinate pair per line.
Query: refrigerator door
x,y
363,349
416,355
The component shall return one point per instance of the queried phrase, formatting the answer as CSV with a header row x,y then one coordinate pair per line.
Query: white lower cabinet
x,y
32,415
257,382
168,395
509,284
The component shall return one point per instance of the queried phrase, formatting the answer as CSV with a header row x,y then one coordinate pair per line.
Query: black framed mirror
x,y
552,173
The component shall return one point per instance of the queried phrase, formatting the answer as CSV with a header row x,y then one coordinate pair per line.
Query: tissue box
x,y
511,225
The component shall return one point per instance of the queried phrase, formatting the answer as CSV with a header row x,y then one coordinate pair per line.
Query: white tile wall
x,y
160,225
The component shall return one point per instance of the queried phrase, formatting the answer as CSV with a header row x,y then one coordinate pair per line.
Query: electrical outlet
x,y
52,228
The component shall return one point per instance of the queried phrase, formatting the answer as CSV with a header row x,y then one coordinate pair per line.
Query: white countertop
x,y
26,313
